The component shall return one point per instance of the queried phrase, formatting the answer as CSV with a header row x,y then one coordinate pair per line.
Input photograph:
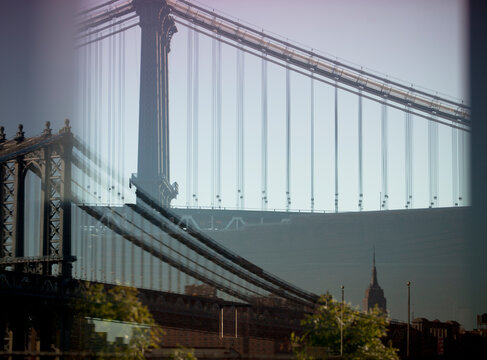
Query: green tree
x,y
362,332
121,303
182,353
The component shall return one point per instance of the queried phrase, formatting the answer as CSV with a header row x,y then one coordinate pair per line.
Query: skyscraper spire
x,y
373,259
373,279
374,295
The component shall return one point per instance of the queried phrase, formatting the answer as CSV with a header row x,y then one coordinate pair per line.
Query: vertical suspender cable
x,y
408,159
109,91
264,134
411,161
216,124
118,150
336,148
288,138
240,129
94,119
119,120
113,126
84,117
237,140
100,112
160,105
219,124
122,114
360,154
213,121
436,196
384,144
454,167
122,119
312,142
122,142
189,121
461,165
195,118
433,162
242,132
430,165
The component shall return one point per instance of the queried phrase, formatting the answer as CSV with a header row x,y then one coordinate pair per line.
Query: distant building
x,y
482,324
374,295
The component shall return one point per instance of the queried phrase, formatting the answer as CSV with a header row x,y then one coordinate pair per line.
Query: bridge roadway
x,y
37,308
215,219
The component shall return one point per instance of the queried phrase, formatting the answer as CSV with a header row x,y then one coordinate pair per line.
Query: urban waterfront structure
x,y
193,284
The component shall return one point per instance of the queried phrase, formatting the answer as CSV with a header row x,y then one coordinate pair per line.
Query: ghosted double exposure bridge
x,y
70,217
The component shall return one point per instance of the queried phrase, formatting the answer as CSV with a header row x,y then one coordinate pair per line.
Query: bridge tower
x,y
49,157
157,29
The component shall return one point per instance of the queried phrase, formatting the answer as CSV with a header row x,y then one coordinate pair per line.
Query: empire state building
x,y
374,295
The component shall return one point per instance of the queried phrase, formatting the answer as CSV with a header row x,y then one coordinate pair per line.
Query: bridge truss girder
x,y
48,157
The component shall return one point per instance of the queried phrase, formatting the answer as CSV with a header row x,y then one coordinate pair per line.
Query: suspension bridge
x,y
83,205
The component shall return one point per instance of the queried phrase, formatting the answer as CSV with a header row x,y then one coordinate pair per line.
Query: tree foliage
x,y
362,332
182,353
121,303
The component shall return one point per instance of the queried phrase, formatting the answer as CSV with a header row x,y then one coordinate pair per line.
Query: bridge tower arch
x,y
49,156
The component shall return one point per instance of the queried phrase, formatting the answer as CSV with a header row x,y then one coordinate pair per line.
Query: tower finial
x,y
20,136
47,131
66,128
373,279
373,257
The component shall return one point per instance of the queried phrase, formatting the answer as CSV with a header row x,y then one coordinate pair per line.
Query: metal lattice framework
x,y
47,156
